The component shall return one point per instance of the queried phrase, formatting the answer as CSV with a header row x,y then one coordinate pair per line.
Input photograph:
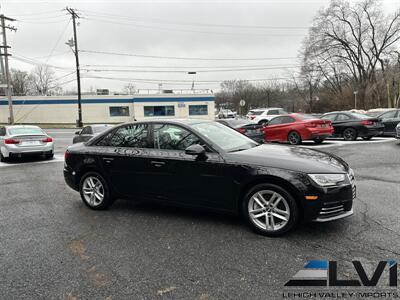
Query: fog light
x,y
311,197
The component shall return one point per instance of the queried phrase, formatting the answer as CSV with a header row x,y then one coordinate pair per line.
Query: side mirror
x,y
195,150
77,132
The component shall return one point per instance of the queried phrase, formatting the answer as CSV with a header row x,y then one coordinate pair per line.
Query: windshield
x,y
224,137
25,130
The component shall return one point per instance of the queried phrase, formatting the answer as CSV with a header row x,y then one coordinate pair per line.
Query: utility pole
x,y
6,67
78,75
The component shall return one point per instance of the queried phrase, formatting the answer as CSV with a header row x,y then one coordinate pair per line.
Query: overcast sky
x,y
267,32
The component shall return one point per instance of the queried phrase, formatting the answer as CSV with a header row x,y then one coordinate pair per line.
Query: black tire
x,y
350,134
294,138
293,219
318,141
107,201
2,158
49,156
366,138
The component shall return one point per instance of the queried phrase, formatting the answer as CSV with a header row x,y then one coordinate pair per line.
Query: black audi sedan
x,y
351,125
200,163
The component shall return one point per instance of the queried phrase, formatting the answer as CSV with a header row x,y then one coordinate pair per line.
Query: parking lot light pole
x,y
192,73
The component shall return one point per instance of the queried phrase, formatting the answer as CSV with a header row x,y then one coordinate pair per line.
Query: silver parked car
x,y
21,140
88,132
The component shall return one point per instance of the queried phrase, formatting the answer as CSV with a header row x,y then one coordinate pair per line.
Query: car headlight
x,y
326,180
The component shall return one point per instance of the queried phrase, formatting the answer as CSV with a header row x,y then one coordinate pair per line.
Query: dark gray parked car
x,y
88,132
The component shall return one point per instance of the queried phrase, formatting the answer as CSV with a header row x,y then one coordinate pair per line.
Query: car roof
x,y
21,126
173,121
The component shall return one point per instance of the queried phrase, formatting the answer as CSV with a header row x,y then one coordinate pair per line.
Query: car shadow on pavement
x,y
311,230
27,159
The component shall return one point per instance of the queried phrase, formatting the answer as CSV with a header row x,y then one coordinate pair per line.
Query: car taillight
x,y
11,141
47,140
367,122
66,155
242,130
311,124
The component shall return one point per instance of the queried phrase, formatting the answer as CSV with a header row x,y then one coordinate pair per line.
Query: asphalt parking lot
x,y
53,247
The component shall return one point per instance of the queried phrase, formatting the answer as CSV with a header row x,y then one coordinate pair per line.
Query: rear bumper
x,y
31,153
313,133
14,150
70,178
372,131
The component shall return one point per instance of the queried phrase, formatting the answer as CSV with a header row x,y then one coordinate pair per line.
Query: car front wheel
x,y
270,210
294,138
94,191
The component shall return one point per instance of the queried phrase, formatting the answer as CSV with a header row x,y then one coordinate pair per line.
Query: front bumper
x,y
333,203
397,132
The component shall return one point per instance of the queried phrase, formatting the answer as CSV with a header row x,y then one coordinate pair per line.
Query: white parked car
x,y
226,114
263,115
21,140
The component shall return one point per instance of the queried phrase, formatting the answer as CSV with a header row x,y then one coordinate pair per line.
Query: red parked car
x,y
295,128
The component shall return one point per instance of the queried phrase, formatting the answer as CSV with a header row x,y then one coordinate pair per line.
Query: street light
x,y
192,73
355,99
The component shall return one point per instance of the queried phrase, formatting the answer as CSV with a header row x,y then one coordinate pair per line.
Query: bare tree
x,y
352,44
19,82
42,80
130,89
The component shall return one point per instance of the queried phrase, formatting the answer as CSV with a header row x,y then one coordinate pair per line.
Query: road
x,y
53,247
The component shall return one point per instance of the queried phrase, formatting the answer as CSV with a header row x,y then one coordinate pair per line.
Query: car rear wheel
x,y
94,191
2,158
270,210
294,138
366,138
318,141
350,134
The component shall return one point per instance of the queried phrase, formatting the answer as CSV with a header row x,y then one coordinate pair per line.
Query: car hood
x,y
290,158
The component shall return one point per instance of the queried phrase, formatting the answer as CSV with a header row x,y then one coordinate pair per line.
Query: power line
x,y
184,58
58,41
182,71
185,67
192,31
153,20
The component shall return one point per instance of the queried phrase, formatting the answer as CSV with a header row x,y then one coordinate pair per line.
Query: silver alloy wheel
x,y
269,210
93,191
294,138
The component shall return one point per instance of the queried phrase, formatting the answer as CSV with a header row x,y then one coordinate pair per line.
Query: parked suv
x,y
263,115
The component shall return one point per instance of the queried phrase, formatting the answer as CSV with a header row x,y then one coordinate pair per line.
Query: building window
x,y
159,111
198,110
119,111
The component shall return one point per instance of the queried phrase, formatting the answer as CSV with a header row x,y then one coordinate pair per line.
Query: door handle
x,y
108,159
158,164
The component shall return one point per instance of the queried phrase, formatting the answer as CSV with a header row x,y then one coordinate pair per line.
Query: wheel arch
x,y
271,179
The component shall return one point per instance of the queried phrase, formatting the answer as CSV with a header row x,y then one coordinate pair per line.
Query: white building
x,y
107,109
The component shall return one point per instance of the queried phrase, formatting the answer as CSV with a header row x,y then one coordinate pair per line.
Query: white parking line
x,y
15,163
339,143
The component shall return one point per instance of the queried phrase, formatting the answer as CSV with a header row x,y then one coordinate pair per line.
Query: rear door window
x,y
343,117
132,135
273,112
